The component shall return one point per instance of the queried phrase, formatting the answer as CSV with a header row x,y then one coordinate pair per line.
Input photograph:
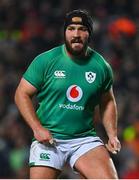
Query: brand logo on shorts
x,y
74,93
45,156
90,76
59,74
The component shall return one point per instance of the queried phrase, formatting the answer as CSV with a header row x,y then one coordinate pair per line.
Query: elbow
x,y
16,97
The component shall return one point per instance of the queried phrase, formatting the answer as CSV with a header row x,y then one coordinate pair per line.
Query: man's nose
x,y
76,33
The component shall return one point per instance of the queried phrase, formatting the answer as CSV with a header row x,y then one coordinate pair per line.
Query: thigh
x,y
38,172
96,163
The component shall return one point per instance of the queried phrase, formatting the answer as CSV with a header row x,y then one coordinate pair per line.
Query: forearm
x,y
23,100
109,118
108,111
25,106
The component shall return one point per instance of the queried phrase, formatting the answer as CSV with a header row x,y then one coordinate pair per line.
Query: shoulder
x,y
99,59
49,55
43,60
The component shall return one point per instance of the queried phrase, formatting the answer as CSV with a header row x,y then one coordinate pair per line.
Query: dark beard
x,y
76,53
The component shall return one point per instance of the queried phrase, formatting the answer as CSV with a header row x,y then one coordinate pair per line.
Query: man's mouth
x,y
76,41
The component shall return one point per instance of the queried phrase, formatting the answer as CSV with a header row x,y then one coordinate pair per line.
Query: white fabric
x,y
65,151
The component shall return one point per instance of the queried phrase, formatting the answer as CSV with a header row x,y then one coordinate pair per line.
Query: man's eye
x,y
83,29
70,28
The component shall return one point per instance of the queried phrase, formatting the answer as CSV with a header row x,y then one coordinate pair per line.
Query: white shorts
x,y
65,151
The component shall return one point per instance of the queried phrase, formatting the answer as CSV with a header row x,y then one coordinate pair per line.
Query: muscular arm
x,y
23,100
108,111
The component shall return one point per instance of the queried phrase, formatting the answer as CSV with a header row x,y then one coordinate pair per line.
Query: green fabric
x,y
68,113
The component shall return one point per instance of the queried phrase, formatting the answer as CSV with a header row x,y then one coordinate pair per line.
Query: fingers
x,y
43,135
52,142
117,145
110,149
113,146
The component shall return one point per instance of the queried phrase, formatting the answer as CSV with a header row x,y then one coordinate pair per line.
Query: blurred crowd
x,y
30,27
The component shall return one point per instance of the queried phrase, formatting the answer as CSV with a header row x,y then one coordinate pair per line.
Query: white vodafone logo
x,y
74,93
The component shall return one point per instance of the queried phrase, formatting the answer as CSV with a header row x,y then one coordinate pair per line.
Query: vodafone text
x,y
72,107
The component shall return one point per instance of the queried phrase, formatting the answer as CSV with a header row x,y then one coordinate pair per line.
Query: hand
x,y
43,135
113,145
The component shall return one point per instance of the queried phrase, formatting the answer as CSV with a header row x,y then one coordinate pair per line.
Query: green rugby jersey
x,y
68,90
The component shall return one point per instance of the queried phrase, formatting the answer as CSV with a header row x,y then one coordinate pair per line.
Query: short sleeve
x,y
35,72
108,82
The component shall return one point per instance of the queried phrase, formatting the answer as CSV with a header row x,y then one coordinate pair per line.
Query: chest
x,y
73,79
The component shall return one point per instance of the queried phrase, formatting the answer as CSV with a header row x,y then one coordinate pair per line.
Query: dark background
x,y
30,27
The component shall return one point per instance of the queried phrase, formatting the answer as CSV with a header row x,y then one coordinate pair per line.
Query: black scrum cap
x,y
79,17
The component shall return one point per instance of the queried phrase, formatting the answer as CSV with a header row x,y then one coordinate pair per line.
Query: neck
x,y
82,55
